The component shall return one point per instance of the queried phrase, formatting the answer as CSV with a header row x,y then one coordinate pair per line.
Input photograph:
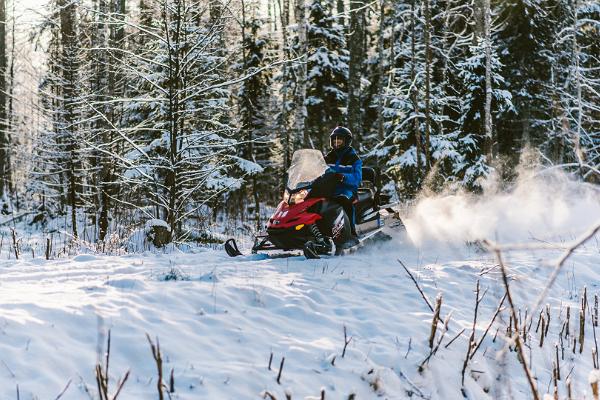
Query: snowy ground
x,y
219,324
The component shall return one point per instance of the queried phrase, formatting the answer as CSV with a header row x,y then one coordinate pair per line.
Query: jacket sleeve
x,y
352,175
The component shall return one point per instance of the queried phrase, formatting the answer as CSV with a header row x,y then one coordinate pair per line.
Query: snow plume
x,y
545,205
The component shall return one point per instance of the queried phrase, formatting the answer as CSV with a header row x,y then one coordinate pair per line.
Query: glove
x,y
340,177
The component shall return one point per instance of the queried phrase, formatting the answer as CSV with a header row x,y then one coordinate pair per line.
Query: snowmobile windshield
x,y
307,165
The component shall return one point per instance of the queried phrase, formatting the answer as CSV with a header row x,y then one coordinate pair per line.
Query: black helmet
x,y
341,132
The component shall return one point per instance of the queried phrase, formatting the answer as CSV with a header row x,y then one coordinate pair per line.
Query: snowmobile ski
x,y
232,249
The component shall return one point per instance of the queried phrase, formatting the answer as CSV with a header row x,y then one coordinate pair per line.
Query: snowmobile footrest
x,y
232,249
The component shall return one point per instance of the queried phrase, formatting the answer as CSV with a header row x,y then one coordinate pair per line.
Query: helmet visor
x,y
337,142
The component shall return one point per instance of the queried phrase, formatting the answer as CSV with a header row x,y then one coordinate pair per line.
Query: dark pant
x,y
348,207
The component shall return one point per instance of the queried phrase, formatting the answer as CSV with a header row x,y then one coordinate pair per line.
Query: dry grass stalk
x,y
417,285
581,330
594,375
62,392
498,309
270,361
280,371
102,376
471,343
557,363
542,332
456,337
434,321
555,379
595,310
518,342
158,360
15,245
346,341
547,319
439,342
568,320
269,395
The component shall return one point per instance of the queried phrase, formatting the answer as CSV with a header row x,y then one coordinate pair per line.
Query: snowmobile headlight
x,y
298,197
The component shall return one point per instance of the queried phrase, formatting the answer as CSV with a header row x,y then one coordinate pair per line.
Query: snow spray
x,y
540,205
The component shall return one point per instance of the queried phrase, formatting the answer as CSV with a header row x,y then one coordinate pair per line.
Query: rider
x,y
347,166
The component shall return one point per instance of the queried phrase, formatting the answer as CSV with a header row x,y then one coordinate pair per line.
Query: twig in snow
x,y
517,339
269,395
439,342
417,285
280,371
489,326
472,337
102,376
454,338
557,363
346,341
8,369
270,361
560,262
158,360
15,245
581,330
434,321
63,391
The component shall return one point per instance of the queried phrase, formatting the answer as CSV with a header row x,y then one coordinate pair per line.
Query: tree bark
x,y
4,152
489,139
413,75
284,12
427,32
69,74
300,122
356,49
380,70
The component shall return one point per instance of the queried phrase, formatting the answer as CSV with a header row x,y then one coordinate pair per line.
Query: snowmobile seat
x,y
369,177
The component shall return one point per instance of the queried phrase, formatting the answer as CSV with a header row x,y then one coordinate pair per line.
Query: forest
x,y
188,111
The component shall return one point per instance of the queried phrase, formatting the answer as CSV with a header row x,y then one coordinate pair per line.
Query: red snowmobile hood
x,y
288,216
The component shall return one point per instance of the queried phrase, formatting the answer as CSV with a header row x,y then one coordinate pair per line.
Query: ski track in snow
x,y
218,328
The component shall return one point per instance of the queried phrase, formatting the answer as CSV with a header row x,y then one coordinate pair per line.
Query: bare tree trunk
x,y
69,75
4,152
284,12
356,40
172,179
413,76
489,140
577,133
300,122
427,32
9,167
380,88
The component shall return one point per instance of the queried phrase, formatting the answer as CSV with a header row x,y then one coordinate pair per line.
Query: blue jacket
x,y
345,161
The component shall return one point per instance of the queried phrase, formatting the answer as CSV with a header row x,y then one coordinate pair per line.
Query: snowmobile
x,y
310,219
